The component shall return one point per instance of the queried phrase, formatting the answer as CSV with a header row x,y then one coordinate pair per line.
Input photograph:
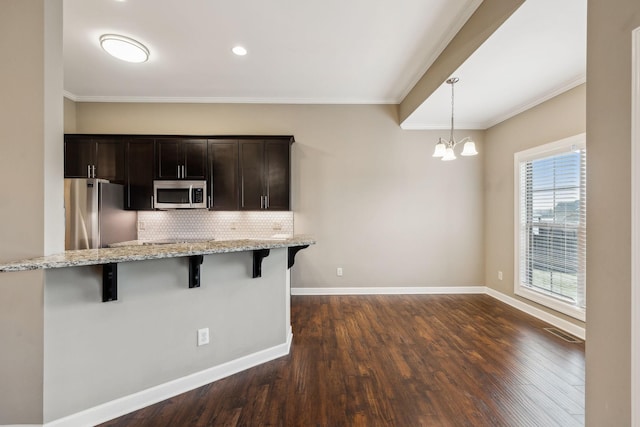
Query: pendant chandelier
x,y
444,148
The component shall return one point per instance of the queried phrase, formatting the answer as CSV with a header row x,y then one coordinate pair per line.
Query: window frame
x,y
540,152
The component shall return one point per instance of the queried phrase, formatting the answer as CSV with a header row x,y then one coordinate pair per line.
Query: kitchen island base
x,y
104,360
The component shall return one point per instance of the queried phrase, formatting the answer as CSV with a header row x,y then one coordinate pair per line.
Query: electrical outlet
x,y
203,336
499,275
142,225
277,226
339,271
233,225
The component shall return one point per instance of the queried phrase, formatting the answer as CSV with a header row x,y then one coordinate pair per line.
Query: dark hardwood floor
x,y
419,360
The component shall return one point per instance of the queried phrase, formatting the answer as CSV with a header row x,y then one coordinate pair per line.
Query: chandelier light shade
x,y
445,149
124,48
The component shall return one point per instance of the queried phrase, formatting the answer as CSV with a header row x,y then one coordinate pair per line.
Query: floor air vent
x,y
563,335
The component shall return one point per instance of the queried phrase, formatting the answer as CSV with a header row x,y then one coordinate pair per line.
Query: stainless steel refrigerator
x,y
95,215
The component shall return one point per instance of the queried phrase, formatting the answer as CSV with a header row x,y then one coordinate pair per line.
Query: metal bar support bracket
x,y
293,250
258,256
109,282
195,262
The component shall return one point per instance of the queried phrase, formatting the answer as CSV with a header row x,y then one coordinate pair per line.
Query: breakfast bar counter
x,y
139,251
143,340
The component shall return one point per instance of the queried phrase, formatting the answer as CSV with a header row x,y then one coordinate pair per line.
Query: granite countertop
x,y
138,251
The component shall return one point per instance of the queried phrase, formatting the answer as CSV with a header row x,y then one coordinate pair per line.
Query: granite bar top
x,y
138,251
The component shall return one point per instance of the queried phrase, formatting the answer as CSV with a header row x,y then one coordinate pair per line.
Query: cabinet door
x,y
276,174
223,175
194,158
140,155
168,158
78,156
109,160
251,175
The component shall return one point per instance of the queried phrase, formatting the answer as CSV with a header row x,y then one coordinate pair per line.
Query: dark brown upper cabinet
x,y
88,156
265,174
181,158
140,155
222,182
242,172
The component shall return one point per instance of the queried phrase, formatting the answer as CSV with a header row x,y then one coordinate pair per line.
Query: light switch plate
x,y
203,336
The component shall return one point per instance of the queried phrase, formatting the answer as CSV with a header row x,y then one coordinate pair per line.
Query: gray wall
x,y
30,226
97,352
379,205
555,119
609,91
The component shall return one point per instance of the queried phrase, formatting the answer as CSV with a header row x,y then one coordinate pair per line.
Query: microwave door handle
x,y
191,195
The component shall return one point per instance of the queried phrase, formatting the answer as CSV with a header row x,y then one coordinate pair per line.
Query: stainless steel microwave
x,y
180,194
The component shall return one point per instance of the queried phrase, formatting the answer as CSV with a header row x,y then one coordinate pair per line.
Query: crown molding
x,y
225,100
70,95
539,100
442,126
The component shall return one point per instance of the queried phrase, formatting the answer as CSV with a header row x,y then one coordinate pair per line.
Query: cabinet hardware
x,y
242,190
88,171
94,171
183,172
209,202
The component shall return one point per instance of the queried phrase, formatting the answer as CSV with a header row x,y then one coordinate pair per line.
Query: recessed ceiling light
x,y
124,48
239,50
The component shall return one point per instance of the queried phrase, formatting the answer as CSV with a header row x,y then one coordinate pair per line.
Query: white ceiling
x,y
539,52
329,51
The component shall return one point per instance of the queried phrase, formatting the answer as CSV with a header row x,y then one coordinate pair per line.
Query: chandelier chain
x,y
452,98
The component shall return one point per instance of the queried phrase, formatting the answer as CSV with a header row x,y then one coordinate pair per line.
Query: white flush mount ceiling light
x,y
239,50
124,48
444,148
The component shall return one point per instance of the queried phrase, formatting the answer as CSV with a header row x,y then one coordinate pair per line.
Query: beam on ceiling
x,y
486,19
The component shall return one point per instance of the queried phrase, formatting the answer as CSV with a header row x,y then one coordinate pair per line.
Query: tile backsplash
x,y
203,224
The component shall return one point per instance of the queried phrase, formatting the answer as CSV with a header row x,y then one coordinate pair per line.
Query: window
x,y
550,220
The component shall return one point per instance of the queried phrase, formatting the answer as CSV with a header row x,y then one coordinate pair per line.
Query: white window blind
x,y
551,222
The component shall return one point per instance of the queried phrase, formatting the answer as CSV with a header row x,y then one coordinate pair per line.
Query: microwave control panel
x,y
198,195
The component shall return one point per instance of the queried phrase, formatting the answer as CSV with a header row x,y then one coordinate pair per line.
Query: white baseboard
x,y
142,399
413,290
556,321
